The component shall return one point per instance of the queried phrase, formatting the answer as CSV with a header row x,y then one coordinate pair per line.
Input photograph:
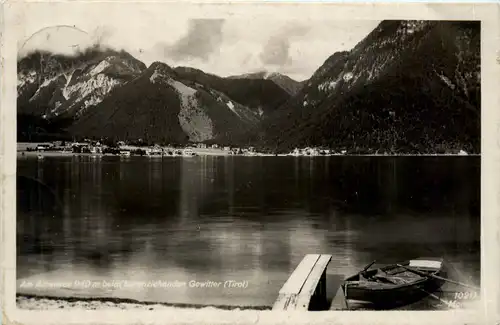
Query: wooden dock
x,y
306,288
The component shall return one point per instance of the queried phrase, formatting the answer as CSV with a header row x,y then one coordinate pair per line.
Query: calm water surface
x,y
236,218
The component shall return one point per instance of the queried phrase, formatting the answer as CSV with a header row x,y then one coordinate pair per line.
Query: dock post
x,y
322,301
319,300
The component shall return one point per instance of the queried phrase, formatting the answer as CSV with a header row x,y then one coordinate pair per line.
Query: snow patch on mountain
x,y
327,85
45,84
100,68
68,78
155,77
90,92
25,79
92,101
446,80
410,27
348,76
100,84
231,107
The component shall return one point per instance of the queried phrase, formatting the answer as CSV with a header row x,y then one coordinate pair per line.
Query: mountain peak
x,y
54,85
262,74
161,67
288,84
159,71
50,65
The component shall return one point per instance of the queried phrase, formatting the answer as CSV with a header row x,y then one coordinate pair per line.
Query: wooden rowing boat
x,y
397,282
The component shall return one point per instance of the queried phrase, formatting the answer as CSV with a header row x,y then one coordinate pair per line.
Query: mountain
x,y
288,84
409,86
67,86
54,90
109,94
159,106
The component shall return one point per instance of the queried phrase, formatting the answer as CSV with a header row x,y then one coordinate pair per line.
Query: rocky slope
x,y
409,86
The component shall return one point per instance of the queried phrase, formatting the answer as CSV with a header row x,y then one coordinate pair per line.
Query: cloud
x,y
102,35
155,32
60,39
276,50
203,38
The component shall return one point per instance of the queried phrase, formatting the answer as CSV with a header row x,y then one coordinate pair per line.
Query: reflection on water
x,y
237,218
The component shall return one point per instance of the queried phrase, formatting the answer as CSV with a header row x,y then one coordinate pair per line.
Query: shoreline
x,y
43,302
71,154
22,150
224,154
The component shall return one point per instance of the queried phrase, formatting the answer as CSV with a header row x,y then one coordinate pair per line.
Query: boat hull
x,y
391,294
394,295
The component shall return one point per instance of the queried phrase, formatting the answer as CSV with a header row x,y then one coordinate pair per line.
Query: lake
x,y
244,219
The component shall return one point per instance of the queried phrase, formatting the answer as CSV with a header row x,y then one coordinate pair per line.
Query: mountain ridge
x,y
288,84
407,87
92,94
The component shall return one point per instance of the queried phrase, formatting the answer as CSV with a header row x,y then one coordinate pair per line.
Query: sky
x,y
222,45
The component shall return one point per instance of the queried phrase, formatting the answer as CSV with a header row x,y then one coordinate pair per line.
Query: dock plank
x,y
296,281
288,295
284,301
311,284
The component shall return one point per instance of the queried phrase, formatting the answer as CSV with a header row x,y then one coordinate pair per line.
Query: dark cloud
x,y
204,37
276,51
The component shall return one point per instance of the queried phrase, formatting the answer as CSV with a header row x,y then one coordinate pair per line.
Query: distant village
x,y
123,149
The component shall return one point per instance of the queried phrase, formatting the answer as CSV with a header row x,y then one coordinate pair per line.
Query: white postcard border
x,y
487,312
